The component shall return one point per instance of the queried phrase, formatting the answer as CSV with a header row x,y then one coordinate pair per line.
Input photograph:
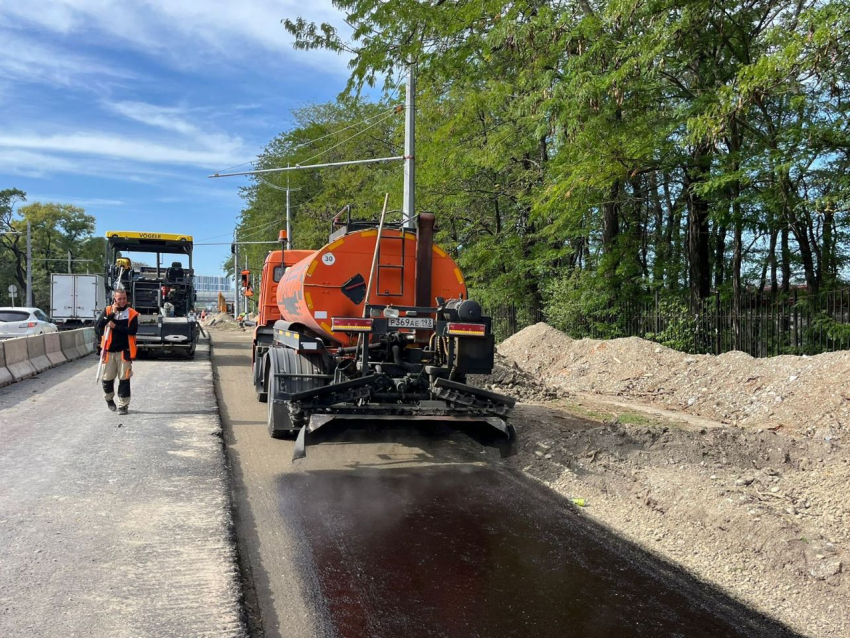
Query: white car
x,y
23,322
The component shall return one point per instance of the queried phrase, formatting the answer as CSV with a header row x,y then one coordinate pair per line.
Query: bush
x,y
679,323
581,304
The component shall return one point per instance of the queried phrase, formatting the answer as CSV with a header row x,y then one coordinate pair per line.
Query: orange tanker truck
x,y
374,325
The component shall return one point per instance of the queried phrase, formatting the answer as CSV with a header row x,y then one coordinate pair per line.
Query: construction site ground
x,y
734,468
409,529
649,493
116,525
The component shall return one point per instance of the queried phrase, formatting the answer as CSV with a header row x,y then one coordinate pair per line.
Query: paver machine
x,y
374,325
163,294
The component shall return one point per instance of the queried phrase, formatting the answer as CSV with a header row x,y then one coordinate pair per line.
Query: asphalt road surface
x,y
116,526
400,530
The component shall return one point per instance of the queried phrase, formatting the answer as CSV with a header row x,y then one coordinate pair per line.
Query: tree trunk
x,y
611,217
771,260
699,266
719,256
786,261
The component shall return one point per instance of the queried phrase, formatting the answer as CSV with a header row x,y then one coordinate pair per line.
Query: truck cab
x,y
276,264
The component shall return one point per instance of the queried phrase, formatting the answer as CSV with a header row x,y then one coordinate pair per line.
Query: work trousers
x,y
117,365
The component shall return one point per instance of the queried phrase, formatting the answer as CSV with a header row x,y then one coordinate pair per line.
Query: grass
x,y
632,418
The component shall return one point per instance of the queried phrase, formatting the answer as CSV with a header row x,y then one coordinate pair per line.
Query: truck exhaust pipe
x,y
424,259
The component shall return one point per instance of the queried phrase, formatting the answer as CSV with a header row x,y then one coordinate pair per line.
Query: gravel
x,y
741,480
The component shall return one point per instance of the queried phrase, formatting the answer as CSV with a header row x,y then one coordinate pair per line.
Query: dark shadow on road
x,y
483,551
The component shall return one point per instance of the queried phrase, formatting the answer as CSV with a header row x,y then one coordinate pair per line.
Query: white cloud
x,y
163,117
27,59
129,148
90,202
188,33
28,164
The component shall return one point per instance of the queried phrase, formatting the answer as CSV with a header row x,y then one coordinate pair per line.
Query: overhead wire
x,y
317,139
347,139
384,115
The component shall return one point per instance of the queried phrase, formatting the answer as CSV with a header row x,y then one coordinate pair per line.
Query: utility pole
x,y
288,222
29,265
409,198
69,263
235,276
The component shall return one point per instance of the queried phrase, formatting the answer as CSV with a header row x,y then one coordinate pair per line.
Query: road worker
x,y
118,324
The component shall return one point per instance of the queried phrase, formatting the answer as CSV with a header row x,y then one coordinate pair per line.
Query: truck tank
x,y
331,282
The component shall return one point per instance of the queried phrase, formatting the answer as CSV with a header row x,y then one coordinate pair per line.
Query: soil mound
x,y
808,394
221,321
508,378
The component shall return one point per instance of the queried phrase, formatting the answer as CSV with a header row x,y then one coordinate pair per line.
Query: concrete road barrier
x,y
37,353
80,338
88,339
5,376
17,358
24,357
68,341
53,349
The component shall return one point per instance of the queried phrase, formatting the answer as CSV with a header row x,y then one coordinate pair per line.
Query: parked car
x,y
23,322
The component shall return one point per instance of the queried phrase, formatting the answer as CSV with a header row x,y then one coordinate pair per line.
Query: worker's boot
x,y
123,409
111,405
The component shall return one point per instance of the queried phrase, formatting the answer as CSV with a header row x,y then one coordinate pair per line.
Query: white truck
x,y
76,300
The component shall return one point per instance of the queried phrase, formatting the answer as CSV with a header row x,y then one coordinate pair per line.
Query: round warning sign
x,y
328,259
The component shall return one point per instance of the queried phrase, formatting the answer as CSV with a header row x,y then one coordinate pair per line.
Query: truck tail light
x,y
455,329
346,324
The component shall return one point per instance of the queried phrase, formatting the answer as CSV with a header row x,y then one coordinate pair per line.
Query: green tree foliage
x,y
57,231
583,152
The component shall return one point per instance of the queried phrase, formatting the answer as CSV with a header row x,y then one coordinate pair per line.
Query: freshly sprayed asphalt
x,y
403,530
116,526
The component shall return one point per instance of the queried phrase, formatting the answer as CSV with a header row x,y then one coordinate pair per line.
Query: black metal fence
x,y
761,324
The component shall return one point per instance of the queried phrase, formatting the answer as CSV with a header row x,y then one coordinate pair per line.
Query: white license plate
x,y
412,322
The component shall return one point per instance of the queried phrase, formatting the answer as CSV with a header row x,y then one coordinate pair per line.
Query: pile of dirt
x,y
799,394
221,321
763,515
508,378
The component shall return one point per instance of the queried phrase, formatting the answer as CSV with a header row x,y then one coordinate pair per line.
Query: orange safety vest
x,y
105,341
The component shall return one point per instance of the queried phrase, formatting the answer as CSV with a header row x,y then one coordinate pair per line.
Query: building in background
x,y
208,287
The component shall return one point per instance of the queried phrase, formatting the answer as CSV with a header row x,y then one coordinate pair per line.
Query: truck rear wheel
x,y
306,372
261,377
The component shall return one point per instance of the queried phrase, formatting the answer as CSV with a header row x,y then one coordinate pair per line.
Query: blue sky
x,y
124,108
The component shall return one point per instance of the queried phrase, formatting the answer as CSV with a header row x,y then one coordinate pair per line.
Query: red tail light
x,y
466,329
345,324
30,324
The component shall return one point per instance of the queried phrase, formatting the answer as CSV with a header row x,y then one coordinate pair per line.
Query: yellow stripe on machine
x,y
440,251
336,244
458,275
124,234
312,267
309,299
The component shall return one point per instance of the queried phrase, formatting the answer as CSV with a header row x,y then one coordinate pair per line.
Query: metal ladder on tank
x,y
399,267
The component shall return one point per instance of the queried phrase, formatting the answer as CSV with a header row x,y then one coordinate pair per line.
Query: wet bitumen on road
x,y
404,531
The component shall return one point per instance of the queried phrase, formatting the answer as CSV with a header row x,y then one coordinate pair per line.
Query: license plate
x,y
412,322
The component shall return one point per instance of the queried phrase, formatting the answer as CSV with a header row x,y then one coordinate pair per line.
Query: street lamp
x,y
29,259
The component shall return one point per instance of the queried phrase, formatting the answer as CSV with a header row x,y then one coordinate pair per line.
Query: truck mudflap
x,y
457,403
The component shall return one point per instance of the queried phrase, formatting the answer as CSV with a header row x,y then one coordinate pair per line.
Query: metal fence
x,y
762,325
